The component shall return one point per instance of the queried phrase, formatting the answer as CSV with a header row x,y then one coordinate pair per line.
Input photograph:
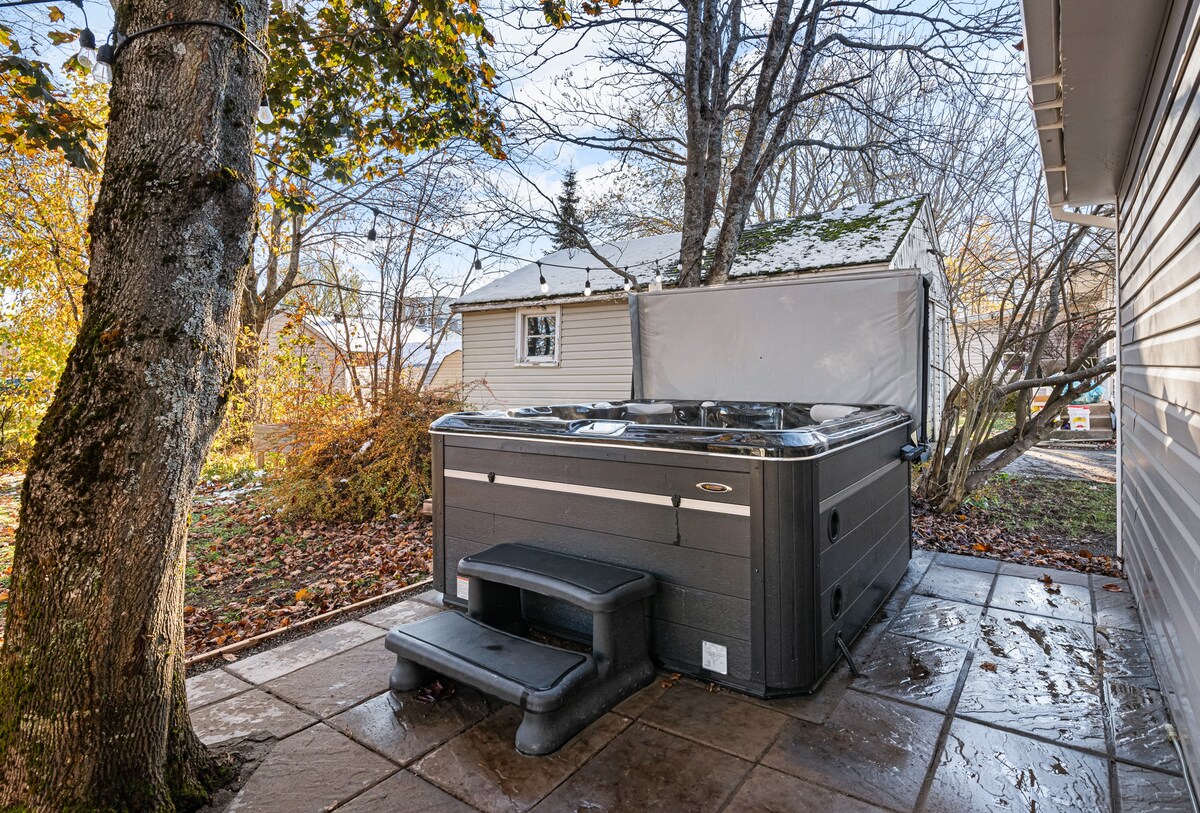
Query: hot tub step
x,y
526,673
560,691
586,583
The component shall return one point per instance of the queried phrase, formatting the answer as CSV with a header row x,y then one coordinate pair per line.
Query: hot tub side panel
x,y
786,601
863,538
614,503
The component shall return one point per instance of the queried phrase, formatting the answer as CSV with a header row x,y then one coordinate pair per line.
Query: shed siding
x,y
1159,290
449,372
595,358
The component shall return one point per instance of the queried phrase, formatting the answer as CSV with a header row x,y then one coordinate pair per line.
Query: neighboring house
x,y
448,373
343,352
1088,293
525,348
1114,92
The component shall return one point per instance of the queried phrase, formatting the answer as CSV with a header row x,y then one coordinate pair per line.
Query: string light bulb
x,y
478,262
628,282
87,49
102,71
371,234
542,279
264,114
587,283
657,274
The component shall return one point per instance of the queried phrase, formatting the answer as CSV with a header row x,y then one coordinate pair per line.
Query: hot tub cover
x,y
724,427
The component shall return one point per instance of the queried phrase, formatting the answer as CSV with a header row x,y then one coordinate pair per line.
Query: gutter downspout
x,y
1059,211
1118,417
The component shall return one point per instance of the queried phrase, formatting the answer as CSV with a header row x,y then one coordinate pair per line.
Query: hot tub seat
x,y
560,691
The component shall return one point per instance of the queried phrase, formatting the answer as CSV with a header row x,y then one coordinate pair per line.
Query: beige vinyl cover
x,y
853,338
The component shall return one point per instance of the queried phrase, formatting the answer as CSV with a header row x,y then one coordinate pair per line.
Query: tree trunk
x,y
92,708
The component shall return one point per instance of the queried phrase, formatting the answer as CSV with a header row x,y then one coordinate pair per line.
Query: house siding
x,y
1159,381
449,372
324,364
595,358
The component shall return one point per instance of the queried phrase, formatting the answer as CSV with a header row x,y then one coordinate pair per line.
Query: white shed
x,y
522,347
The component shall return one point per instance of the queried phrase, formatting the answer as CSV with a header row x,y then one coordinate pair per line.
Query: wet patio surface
x,y
983,688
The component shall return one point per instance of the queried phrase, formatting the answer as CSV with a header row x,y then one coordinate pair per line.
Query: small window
x,y
537,336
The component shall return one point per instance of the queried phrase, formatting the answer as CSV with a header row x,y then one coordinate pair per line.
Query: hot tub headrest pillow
x,y
649,409
829,412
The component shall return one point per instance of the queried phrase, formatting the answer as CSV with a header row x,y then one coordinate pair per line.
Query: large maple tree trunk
x,y
92,707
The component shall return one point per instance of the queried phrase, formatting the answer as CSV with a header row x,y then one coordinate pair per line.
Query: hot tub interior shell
x,y
807,543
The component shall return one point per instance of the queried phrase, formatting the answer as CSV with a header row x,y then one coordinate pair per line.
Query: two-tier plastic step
x,y
560,691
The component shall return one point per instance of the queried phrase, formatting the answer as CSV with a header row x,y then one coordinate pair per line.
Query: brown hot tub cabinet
x,y
771,529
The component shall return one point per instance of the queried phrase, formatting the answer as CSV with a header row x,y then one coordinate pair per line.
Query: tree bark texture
x,y
93,714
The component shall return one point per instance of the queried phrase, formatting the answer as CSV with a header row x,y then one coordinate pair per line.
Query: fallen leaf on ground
x,y
1114,588
435,692
988,666
252,569
972,533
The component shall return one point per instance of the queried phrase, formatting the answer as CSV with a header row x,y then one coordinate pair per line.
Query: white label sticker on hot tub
x,y
713,657
464,588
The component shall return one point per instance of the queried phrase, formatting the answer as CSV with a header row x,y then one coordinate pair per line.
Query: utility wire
x,y
382,212
14,3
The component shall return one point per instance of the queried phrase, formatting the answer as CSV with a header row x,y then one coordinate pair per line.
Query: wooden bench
x,y
559,691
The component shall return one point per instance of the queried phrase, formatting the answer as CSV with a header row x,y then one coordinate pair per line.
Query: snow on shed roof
x,y
866,234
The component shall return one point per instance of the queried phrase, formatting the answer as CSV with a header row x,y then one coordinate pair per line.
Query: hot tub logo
x,y
714,488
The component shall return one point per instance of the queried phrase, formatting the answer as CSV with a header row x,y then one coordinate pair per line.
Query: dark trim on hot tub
x,y
601,442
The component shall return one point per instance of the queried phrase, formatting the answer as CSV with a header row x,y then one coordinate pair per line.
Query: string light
x,y
102,71
657,274
628,282
426,229
87,49
372,234
587,283
542,279
265,116
106,54
478,262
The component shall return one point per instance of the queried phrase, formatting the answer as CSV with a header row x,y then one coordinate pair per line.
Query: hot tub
x,y
773,529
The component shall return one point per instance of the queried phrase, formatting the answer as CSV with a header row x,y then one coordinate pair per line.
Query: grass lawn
x,y
1039,521
1069,512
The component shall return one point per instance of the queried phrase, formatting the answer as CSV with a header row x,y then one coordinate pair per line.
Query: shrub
x,y
347,467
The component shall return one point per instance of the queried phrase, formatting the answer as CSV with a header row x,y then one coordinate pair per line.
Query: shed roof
x,y
862,235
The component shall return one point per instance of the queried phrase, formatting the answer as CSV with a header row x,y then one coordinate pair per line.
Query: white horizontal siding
x,y
449,372
1159,283
595,358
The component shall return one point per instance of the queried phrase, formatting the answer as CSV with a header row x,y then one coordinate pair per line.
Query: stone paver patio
x,y
982,689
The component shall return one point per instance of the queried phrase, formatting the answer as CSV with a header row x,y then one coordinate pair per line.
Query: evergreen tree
x,y
569,227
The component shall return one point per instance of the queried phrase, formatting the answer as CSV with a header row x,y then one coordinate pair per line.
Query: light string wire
x,y
181,23
383,212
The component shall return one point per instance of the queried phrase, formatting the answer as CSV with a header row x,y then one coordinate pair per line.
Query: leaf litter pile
x,y
251,569
975,532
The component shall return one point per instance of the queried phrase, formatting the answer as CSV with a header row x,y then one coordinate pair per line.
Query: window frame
x,y
520,359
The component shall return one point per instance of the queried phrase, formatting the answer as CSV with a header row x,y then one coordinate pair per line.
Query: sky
x,y
536,86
